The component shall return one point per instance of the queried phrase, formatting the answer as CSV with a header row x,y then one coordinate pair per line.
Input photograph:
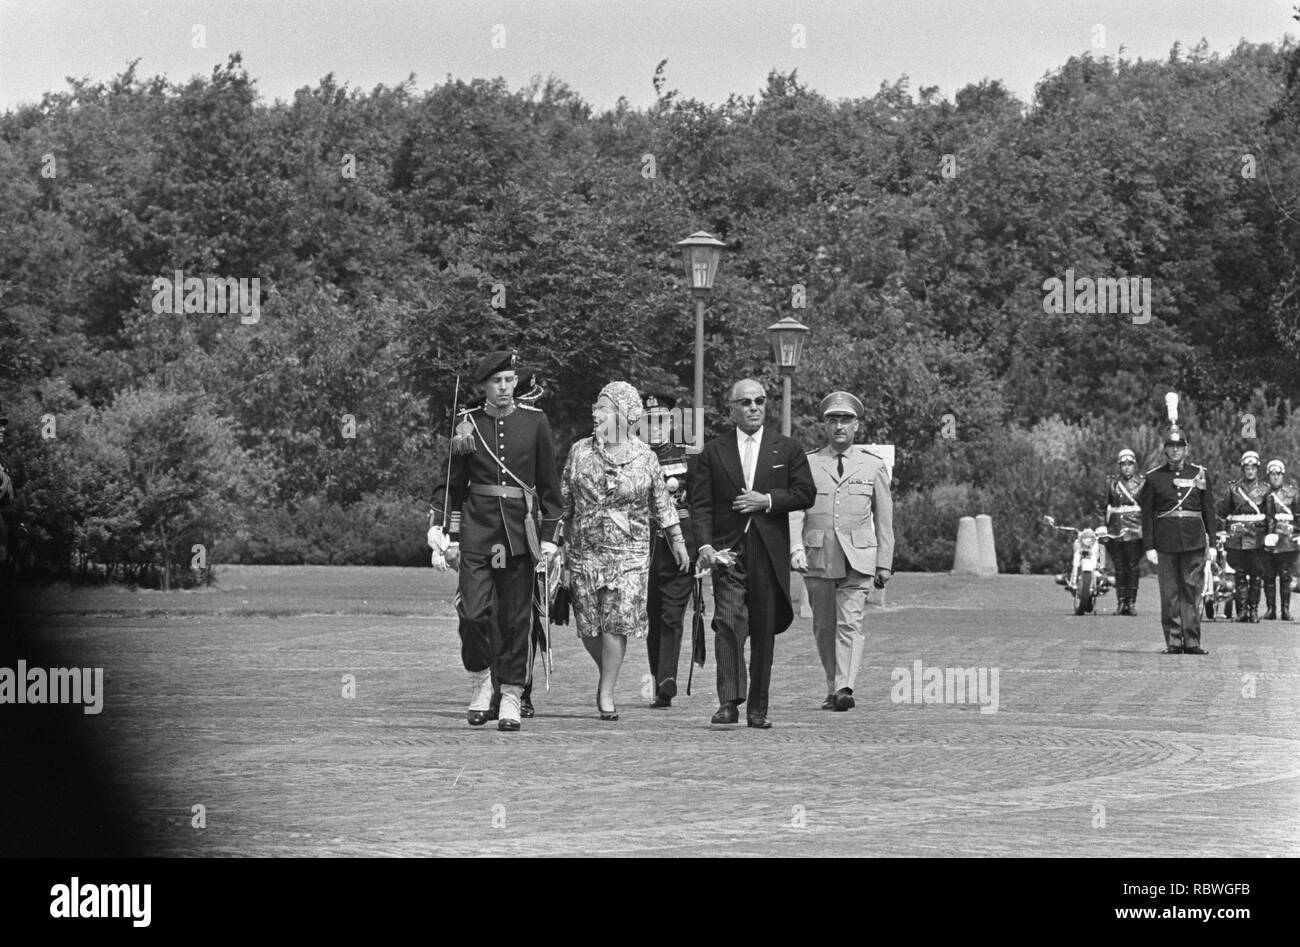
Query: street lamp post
x,y
787,338
701,253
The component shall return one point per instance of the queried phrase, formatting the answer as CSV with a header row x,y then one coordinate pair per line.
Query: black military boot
x,y
1286,601
526,701
1256,590
1239,599
1271,614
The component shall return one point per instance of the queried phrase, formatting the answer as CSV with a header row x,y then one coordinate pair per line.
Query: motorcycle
x,y
1087,579
1220,579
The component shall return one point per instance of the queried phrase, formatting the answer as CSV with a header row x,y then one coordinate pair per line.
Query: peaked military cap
x,y
840,402
494,362
658,400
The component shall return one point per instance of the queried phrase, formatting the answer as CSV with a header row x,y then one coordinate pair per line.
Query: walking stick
x,y
446,495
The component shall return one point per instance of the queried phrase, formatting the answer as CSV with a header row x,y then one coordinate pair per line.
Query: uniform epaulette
x,y
528,407
864,449
471,410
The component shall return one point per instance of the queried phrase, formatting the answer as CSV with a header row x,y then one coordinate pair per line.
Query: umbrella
x,y
697,630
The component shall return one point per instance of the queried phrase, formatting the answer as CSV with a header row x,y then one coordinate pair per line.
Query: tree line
x,y
398,234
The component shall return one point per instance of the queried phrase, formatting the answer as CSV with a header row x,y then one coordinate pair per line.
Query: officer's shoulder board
x,y
528,407
863,449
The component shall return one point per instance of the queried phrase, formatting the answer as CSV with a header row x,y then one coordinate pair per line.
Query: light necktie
x,y
748,462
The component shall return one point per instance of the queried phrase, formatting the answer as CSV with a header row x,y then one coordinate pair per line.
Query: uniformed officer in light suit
x,y
502,472
841,542
1177,504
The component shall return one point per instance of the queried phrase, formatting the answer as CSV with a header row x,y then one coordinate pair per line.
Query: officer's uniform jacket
x,y
851,523
487,506
1280,508
1244,505
1177,508
1123,514
677,467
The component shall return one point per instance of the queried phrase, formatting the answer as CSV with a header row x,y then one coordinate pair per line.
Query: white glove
x,y
549,550
1153,557
438,542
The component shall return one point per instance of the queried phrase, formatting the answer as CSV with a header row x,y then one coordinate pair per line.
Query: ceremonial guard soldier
x,y
1124,519
1177,523
1243,508
669,589
503,506
843,544
1280,548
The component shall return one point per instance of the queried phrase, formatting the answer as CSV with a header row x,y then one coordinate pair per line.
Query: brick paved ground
x,y
244,714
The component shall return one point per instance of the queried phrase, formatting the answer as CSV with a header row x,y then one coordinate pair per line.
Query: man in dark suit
x,y
1177,502
743,488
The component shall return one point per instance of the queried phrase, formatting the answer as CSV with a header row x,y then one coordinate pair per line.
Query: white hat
x,y
1249,457
1276,466
1126,454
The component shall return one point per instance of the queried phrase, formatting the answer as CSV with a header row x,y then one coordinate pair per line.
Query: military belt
x,y
1196,513
1125,509
1283,517
1246,517
492,490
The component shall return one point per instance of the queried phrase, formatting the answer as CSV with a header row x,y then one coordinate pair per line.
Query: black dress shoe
x,y
668,690
844,699
726,713
758,722
1195,651
829,702
1172,650
660,702
477,718
508,726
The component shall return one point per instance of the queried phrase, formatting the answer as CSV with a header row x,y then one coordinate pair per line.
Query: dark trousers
x,y
745,600
1125,556
496,615
666,597
1248,564
1277,566
1181,575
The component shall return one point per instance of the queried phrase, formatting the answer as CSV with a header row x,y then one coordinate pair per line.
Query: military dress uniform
x,y
1279,560
846,536
488,509
1243,508
669,589
1124,519
1177,519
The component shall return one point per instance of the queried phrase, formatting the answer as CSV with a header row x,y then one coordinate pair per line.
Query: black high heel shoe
x,y
610,715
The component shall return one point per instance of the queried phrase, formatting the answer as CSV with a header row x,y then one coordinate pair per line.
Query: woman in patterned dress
x,y
613,491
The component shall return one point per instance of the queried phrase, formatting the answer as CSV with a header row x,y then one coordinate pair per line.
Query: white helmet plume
x,y
1171,406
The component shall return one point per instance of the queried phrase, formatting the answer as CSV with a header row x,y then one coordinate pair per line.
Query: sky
x,y
607,50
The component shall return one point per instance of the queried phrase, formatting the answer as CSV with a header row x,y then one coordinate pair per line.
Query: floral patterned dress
x,y
609,506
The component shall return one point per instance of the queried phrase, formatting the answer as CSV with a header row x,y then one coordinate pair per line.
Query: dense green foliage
x,y
921,231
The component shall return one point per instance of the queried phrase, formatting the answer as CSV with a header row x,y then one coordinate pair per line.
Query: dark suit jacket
x,y
781,469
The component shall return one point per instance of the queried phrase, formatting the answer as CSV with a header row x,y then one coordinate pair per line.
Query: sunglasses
x,y
746,402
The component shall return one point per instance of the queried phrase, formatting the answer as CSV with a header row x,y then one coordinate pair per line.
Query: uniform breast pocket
x,y
859,497
813,540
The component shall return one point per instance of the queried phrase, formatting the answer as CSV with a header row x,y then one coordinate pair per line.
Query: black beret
x,y
492,363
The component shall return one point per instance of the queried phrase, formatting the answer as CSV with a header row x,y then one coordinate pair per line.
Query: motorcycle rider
x,y
1278,560
1124,519
1243,508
